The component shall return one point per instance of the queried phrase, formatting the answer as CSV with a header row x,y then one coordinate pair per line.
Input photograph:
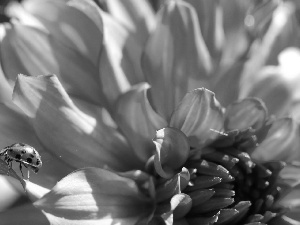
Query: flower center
x,y
227,187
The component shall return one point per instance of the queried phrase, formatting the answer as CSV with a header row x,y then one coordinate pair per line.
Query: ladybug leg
x,y
6,159
21,169
10,163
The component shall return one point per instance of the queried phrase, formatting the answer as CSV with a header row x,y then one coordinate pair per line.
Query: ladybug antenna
x,y
219,132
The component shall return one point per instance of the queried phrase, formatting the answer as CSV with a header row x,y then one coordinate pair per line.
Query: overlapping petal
x,y
88,196
76,19
46,55
77,136
249,112
199,115
138,120
282,32
135,15
172,151
278,85
210,21
174,63
281,143
119,65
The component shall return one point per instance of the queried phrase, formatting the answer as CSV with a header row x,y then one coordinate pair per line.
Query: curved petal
x,y
46,55
93,195
281,143
138,120
284,220
290,175
282,32
136,15
172,62
35,191
77,136
272,87
249,112
120,59
211,24
226,83
172,151
180,205
199,115
80,30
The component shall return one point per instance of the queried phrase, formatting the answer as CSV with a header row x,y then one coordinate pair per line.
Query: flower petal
x,y
77,136
47,55
290,175
136,15
249,112
281,143
198,115
211,24
174,63
226,83
282,32
120,64
138,120
278,85
172,151
93,195
73,25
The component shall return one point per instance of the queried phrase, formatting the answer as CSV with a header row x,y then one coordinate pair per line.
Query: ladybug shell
x,y
26,154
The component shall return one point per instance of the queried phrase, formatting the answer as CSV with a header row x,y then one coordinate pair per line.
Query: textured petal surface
x,y
71,25
278,85
138,120
246,113
199,115
210,21
281,143
120,59
172,150
46,55
94,195
174,63
136,15
86,197
282,32
78,136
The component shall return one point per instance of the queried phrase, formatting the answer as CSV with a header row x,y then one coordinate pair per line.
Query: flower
x,y
147,162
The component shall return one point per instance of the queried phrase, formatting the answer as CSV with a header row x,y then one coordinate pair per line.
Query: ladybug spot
x,y
37,162
18,156
23,151
10,150
32,156
29,160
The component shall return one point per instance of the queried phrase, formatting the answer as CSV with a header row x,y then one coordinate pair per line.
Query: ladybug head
x,y
35,169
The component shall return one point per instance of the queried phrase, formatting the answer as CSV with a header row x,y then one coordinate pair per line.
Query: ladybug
x,y
24,154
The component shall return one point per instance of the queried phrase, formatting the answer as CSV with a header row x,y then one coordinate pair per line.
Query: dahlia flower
x,y
162,152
